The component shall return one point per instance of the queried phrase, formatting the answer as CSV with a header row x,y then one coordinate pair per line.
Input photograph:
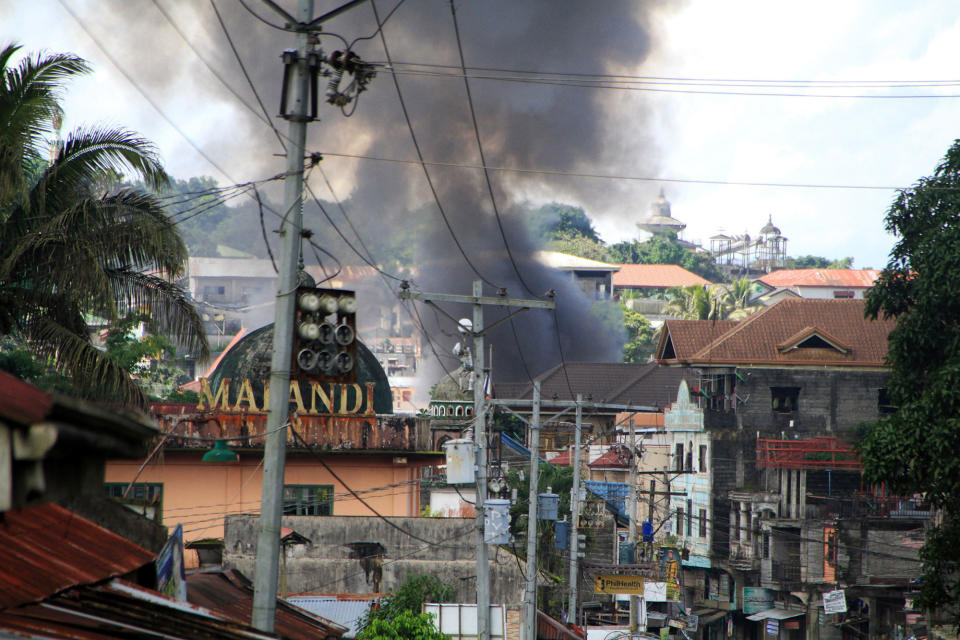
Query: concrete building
x,y
840,284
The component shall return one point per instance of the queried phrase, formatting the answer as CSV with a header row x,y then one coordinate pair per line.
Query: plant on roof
x,y
71,243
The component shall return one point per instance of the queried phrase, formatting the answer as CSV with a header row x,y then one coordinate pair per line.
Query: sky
x,y
690,143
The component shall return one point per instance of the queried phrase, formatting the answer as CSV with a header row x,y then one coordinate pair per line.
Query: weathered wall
x,y
446,550
830,400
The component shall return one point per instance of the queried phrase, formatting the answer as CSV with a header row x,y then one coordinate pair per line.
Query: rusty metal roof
x,y
21,402
46,549
230,595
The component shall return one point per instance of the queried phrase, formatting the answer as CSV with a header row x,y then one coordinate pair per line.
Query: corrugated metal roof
x,y
850,278
47,548
230,594
347,613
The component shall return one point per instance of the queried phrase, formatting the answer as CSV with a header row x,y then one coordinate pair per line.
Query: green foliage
x,y
555,220
711,302
918,287
641,337
406,626
578,245
817,262
74,244
19,360
510,425
664,249
407,600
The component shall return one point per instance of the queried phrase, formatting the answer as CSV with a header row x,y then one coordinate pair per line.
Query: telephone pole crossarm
x,y
490,300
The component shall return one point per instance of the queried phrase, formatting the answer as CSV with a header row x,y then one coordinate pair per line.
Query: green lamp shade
x,y
220,453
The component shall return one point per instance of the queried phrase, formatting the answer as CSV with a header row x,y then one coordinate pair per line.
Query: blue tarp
x,y
615,494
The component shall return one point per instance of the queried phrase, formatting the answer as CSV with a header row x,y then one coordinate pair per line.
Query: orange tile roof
x,y
761,338
853,278
612,459
658,276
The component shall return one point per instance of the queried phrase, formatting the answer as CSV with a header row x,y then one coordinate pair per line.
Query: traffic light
x,y
325,335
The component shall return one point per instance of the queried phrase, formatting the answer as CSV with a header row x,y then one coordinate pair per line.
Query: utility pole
x,y
575,512
274,454
632,528
530,595
479,411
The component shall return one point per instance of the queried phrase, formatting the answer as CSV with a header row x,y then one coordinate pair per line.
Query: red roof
x,y
612,459
46,549
562,460
846,278
21,402
655,276
772,335
688,336
230,594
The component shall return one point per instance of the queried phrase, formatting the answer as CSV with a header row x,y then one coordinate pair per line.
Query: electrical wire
x,y
336,476
416,145
379,27
264,20
483,159
600,176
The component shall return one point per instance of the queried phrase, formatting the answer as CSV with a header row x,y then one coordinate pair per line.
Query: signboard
x,y
757,599
655,591
171,579
670,568
611,583
773,627
693,622
835,601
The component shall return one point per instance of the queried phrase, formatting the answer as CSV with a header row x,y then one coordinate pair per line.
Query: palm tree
x,y
737,299
695,302
70,249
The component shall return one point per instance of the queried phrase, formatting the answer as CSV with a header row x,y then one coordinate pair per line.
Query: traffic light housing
x,y
325,335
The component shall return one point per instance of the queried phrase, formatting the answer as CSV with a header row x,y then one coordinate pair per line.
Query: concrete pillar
x,y
744,523
802,489
813,622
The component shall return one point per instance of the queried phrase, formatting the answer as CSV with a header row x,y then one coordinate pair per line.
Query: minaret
x,y
660,220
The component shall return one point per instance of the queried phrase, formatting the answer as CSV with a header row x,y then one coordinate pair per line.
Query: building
x,y
780,396
742,255
660,219
346,451
841,284
594,278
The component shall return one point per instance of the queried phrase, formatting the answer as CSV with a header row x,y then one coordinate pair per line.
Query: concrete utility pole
x,y
530,595
632,529
575,512
479,411
274,455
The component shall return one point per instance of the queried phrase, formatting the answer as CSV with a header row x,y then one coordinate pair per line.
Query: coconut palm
x,y
69,249
736,297
695,302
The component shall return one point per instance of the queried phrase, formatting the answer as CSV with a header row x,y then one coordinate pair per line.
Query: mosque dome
x,y
250,359
769,229
660,220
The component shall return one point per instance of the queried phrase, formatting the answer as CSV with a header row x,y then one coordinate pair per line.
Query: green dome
x,y
250,359
448,389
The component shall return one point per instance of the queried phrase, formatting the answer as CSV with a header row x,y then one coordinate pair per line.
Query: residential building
x,y
841,284
594,278
780,396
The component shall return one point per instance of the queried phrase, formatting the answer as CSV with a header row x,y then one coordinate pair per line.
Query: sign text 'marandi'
x,y
321,398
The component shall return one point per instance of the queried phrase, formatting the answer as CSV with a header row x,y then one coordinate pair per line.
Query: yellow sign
x,y
611,583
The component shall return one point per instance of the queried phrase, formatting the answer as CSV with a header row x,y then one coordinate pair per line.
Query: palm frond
x,y
89,153
92,372
168,306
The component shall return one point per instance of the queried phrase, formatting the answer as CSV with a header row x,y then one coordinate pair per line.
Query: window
x,y
766,545
703,523
784,399
843,294
679,521
703,458
308,499
146,498
689,518
883,401
689,463
678,457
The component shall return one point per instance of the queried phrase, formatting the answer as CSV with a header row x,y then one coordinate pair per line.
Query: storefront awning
x,y
776,614
706,616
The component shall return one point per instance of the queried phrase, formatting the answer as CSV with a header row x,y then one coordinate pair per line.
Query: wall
x,y
444,548
831,400
199,494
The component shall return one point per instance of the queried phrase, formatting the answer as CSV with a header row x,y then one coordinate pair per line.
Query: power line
x,y
601,176
416,145
483,160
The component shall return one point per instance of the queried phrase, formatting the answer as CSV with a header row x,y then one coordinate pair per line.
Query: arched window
x,y
458,411
443,411
468,411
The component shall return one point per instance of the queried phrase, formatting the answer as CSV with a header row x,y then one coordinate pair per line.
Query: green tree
x,y
663,248
817,262
408,599
910,450
69,250
578,245
555,220
406,626
735,298
695,302
641,337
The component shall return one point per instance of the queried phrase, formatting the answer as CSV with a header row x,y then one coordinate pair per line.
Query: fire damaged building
x,y
779,506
